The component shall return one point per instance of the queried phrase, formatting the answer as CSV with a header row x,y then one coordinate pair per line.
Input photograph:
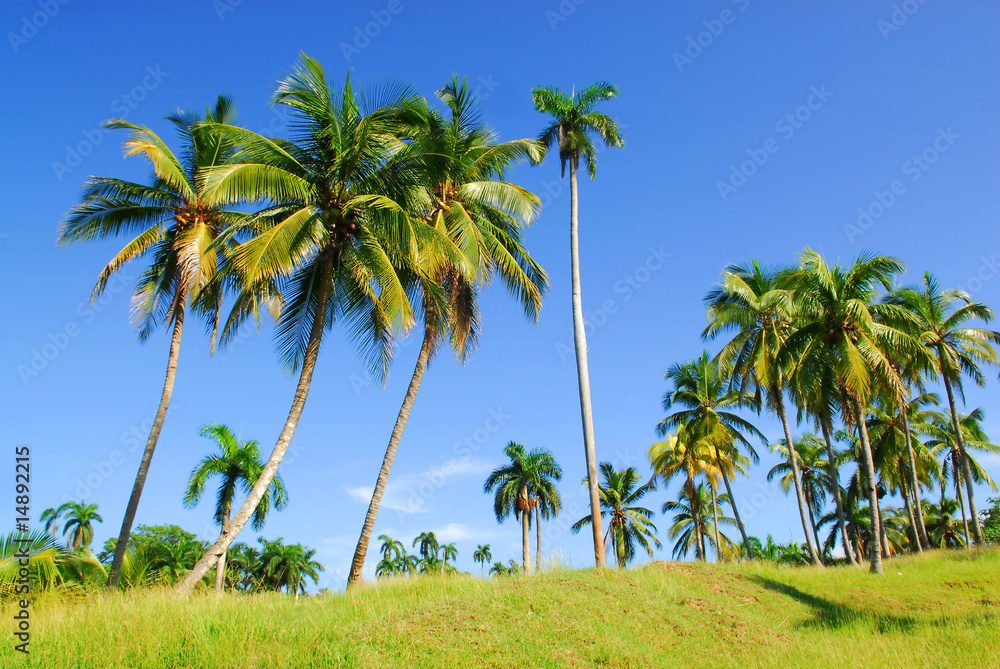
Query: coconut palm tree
x,y
51,518
942,324
178,227
237,464
518,485
575,124
245,567
482,555
813,469
464,196
703,389
628,525
753,303
80,519
333,236
693,527
941,526
288,565
843,329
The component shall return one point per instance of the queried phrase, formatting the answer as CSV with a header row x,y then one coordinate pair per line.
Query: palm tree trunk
x,y
208,560
913,518
921,526
423,359
525,549
868,468
964,464
583,370
831,457
538,537
961,505
796,477
732,503
812,521
883,535
220,567
154,436
715,520
696,518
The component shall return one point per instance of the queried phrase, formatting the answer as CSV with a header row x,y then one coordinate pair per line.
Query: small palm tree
x,y
448,552
237,464
482,555
51,518
942,326
575,121
177,227
288,565
814,470
693,527
518,486
79,523
628,525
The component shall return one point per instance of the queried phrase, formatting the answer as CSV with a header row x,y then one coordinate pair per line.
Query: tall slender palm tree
x,y
692,526
813,469
448,552
703,388
843,329
80,519
753,303
517,487
482,555
942,323
629,525
575,123
177,227
333,236
237,463
51,518
464,196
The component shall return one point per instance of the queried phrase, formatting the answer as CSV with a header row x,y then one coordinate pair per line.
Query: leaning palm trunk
x,y
796,478
963,463
812,520
915,484
218,549
715,521
220,567
909,512
538,538
868,469
960,498
423,359
732,503
835,479
583,370
154,436
696,519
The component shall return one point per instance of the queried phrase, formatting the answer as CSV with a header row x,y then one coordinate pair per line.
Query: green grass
x,y
941,610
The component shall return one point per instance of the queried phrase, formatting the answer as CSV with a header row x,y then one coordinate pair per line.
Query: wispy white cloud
x,y
408,493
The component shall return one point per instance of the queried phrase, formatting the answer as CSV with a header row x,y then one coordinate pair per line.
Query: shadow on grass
x,y
833,615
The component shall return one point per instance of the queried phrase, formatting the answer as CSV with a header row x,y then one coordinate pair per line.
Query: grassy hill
x,y
940,610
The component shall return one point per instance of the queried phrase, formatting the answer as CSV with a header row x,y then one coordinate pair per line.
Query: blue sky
x,y
753,129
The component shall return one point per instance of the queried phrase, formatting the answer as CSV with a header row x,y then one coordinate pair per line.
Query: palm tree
x,y
941,526
394,559
177,227
237,463
482,555
628,525
51,518
245,567
288,565
942,317
574,122
80,519
521,485
448,552
813,469
845,332
753,303
692,527
331,236
701,387
463,196
427,545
